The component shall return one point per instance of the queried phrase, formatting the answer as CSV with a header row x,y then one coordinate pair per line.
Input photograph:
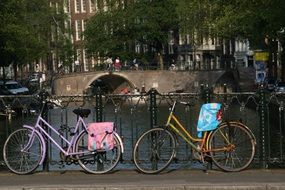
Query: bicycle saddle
x,y
82,112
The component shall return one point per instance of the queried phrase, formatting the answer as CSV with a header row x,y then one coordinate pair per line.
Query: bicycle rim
x,y
22,161
97,162
154,151
233,147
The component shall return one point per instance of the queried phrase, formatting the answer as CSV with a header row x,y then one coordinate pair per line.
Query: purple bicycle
x,y
25,148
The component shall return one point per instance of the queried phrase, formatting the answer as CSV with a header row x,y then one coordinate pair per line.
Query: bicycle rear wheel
x,y
232,147
154,151
97,162
18,159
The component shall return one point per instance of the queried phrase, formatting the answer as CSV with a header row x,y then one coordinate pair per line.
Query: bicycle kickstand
x,y
206,165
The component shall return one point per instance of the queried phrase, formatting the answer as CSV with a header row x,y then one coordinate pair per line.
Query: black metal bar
x,y
263,132
205,93
46,159
208,94
99,105
153,107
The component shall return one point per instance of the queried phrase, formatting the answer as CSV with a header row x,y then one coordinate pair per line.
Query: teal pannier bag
x,y
209,118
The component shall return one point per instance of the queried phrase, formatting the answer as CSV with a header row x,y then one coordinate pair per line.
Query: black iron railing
x,y
261,111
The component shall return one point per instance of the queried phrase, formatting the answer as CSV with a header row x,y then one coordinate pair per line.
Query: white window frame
x,y
85,61
66,6
77,9
82,28
83,8
78,30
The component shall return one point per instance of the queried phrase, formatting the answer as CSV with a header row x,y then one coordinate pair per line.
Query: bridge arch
x,y
111,83
162,80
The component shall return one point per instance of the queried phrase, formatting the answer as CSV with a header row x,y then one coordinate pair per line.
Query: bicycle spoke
x,y
18,161
232,147
154,150
97,162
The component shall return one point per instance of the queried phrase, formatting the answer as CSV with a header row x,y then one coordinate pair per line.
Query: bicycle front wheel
x,y
97,162
23,151
232,147
154,151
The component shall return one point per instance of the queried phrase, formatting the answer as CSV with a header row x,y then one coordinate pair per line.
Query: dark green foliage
x,y
118,30
25,31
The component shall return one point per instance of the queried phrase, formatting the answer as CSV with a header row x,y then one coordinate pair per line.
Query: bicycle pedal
x,y
197,156
175,160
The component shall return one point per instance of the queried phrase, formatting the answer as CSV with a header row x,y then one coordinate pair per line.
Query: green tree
x,y
26,32
20,41
194,19
61,43
258,21
123,26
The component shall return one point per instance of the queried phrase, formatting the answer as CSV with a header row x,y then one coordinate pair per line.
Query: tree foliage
x,y
194,19
25,31
252,19
258,21
20,42
123,26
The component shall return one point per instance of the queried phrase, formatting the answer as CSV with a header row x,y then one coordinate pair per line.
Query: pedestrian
x,y
135,64
117,64
77,67
109,63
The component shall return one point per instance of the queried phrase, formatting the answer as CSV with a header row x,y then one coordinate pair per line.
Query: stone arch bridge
x,y
162,80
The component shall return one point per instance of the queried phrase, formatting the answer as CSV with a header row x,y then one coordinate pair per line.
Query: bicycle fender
x,y
246,127
121,142
41,138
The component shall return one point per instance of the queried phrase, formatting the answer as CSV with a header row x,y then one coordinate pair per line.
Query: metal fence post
x,y
206,93
153,107
206,96
263,140
45,117
99,105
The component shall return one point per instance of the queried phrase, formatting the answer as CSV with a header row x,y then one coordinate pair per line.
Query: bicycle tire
x,y
97,162
154,150
240,144
17,160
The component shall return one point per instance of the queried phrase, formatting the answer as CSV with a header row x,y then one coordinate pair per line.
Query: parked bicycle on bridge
x,y
229,144
95,146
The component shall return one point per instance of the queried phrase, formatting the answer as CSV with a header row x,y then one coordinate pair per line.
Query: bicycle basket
x,y
209,117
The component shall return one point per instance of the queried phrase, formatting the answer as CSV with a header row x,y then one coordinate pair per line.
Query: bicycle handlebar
x,y
183,103
45,97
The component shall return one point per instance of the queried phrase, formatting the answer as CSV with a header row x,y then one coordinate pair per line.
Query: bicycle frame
x,y
40,131
174,123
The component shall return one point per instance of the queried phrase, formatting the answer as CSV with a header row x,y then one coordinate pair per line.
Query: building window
x,y
145,48
66,6
77,6
56,8
84,22
138,48
78,29
83,5
92,6
78,59
170,49
105,6
85,61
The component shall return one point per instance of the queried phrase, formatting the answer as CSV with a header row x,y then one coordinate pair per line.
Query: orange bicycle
x,y
231,145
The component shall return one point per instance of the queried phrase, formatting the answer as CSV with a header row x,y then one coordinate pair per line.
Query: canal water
x,y
132,118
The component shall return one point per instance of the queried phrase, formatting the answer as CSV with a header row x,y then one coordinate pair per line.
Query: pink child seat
x,y
100,136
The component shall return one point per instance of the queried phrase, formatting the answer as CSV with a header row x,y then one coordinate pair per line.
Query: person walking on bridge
x,y
117,64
